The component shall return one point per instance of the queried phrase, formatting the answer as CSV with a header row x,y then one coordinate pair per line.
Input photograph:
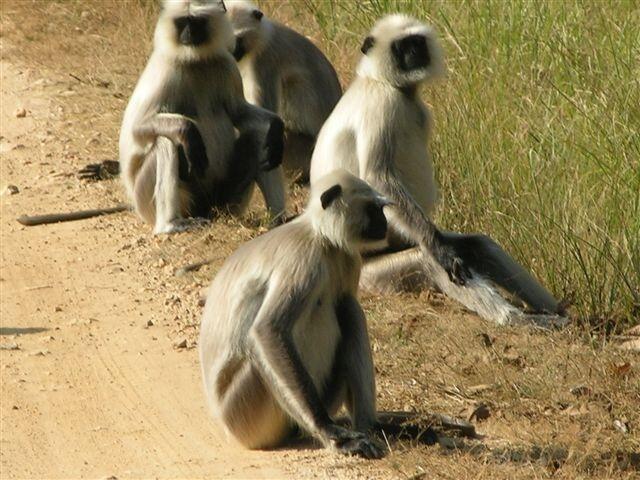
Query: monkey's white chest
x,y
316,339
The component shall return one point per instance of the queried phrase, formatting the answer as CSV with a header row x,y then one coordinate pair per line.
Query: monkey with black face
x,y
283,340
379,132
189,141
285,73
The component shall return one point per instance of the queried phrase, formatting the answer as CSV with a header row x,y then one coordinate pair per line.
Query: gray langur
x,y
190,141
379,132
285,73
283,340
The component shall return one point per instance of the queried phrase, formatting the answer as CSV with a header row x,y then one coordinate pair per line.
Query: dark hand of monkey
x,y
100,171
194,148
274,146
350,442
451,259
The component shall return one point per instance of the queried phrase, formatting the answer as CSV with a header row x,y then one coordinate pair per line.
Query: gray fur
x,y
285,73
379,132
283,339
175,93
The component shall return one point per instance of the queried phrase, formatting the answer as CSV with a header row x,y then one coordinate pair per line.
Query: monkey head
x,y
250,27
401,51
346,210
193,30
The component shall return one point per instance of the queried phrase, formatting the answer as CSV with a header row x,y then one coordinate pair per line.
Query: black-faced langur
x,y
379,132
283,340
189,140
286,73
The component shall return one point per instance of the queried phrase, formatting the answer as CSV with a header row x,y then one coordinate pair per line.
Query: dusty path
x,y
90,392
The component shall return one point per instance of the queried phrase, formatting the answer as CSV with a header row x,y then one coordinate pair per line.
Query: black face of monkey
x,y
240,50
376,228
192,31
411,52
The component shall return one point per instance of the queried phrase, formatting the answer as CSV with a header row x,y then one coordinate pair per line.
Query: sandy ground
x,y
90,392
93,384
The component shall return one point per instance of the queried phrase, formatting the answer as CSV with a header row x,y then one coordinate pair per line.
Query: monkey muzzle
x,y
192,30
376,228
240,50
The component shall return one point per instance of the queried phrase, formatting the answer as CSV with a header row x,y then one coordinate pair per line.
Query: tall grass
x,y
537,137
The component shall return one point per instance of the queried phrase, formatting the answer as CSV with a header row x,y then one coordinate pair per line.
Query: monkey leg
x,y
271,185
298,148
160,197
486,256
249,412
392,272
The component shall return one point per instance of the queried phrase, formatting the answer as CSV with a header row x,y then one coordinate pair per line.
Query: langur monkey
x,y
285,73
179,151
189,141
379,132
283,340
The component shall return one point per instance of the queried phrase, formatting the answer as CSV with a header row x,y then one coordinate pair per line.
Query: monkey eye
x,y
257,14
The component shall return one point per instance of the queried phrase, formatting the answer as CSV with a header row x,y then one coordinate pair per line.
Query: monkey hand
x,y
451,260
273,145
350,442
194,148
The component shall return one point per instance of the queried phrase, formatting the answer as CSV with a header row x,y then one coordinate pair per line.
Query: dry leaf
x,y
581,391
487,340
622,369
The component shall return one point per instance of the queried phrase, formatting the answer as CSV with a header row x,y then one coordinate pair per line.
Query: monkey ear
x,y
328,196
367,44
257,14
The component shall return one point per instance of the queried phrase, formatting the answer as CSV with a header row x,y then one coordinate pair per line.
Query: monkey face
x,y
376,222
401,51
355,205
191,30
247,24
411,52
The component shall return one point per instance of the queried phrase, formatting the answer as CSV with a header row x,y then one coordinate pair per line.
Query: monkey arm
x,y
265,126
180,130
376,162
273,351
357,362
490,259
267,94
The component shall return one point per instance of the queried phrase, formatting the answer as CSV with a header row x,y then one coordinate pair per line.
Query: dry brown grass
x,y
430,355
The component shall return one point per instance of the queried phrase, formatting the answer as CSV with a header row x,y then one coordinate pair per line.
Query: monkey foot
x,y
180,225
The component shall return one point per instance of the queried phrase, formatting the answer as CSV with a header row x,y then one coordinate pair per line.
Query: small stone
x,y
10,190
20,113
480,413
181,343
621,426
39,353
9,346
150,323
